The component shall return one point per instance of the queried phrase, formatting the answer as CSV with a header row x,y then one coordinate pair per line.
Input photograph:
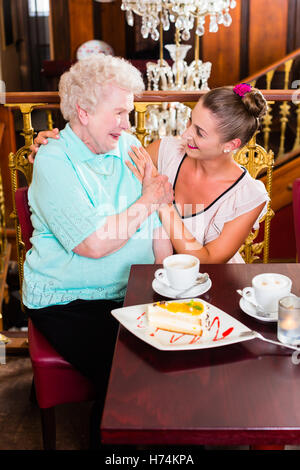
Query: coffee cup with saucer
x,y
261,300
180,274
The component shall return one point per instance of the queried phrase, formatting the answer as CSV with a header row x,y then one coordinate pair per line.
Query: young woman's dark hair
x,y
237,116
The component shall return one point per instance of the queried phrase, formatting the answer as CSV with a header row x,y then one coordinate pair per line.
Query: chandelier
x,y
185,14
157,16
172,118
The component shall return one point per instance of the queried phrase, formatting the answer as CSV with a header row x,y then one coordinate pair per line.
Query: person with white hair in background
x,y
92,218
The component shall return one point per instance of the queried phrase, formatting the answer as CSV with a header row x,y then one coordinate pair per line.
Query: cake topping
x,y
193,307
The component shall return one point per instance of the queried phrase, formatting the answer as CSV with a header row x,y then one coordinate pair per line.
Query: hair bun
x,y
255,103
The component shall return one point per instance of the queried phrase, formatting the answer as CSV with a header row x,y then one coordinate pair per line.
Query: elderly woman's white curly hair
x,y
82,83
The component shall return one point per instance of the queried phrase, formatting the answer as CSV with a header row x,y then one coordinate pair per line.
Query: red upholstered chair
x,y
55,380
296,210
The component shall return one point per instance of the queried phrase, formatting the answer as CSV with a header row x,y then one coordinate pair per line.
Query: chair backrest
x,y
24,229
20,172
23,212
296,211
256,159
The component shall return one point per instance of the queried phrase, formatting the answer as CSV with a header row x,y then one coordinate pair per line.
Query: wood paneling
x,y
293,34
81,21
268,22
113,27
261,33
59,30
223,50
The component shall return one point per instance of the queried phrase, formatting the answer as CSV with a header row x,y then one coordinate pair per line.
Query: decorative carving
x,y
18,162
256,159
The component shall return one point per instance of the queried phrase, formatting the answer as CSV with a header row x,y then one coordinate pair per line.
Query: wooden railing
x,y
52,97
27,102
281,125
268,72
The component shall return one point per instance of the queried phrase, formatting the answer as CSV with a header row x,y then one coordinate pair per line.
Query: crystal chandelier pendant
x,y
227,19
129,17
213,25
181,12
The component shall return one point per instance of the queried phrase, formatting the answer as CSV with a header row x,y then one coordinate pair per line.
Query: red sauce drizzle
x,y
227,332
152,334
173,338
195,339
217,319
224,334
140,323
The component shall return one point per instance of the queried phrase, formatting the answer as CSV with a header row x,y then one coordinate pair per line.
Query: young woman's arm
x,y
219,250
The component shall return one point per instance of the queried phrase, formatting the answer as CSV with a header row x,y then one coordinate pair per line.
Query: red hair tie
x,y
242,89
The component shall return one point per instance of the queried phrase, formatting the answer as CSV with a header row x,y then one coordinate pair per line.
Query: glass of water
x,y
288,330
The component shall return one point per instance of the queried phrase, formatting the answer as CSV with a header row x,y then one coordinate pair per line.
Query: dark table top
x,y
244,393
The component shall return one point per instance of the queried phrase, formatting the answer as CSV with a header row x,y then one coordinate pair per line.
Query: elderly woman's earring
x,y
226,150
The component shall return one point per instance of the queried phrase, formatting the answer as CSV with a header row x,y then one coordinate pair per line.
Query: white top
x,y
241,197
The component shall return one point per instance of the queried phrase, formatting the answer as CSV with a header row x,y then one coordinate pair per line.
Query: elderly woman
x,y
92,218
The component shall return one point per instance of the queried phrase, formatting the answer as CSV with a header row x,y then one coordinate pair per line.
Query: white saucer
x,y
251,310
171,293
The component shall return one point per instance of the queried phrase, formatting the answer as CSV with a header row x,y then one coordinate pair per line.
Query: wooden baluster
x,y
284,112
267,119
287,68
266,127
269,78
49,119
297,138
284,108
140,131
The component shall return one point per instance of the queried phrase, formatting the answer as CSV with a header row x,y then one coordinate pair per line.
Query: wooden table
x,y
242,394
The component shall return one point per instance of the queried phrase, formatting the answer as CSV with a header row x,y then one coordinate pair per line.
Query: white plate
x,y
250,309
224,330
94,46
171,293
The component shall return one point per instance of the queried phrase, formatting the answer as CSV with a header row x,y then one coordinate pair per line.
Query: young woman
x,y
217,202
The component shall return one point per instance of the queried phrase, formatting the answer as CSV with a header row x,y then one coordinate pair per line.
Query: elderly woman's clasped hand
x,y
156,188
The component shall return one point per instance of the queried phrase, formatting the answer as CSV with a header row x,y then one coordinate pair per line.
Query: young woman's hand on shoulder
x,y
41,139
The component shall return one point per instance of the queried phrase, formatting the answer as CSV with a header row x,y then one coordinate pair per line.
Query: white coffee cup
x,y
267,289
179,271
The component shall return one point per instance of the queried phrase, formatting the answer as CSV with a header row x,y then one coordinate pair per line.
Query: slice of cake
x,y
190,317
